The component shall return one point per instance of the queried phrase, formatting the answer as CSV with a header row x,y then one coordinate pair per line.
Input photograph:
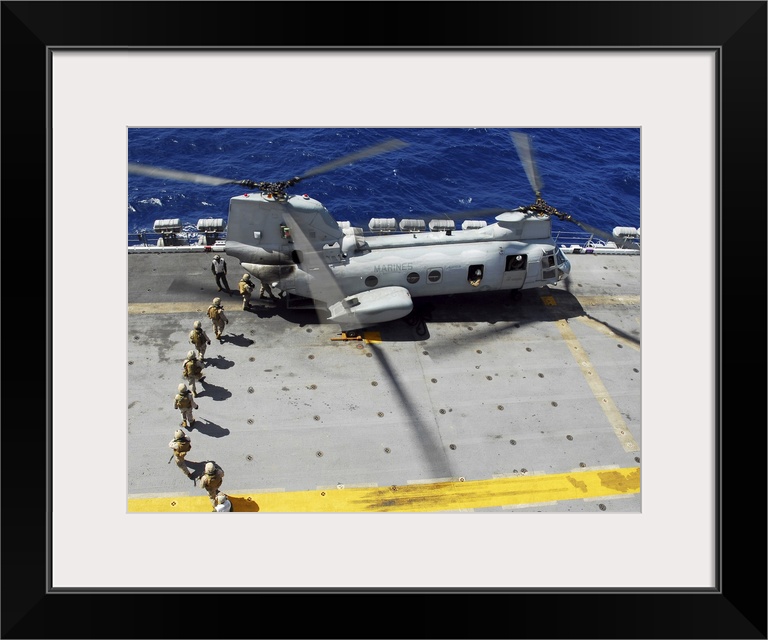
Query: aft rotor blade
x,y
525,151
384,147
323,284
173,174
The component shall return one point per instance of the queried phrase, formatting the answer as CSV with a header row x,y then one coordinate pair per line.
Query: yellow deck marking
x,y
200,307
598,388
170,307
608,301
601,328
437,496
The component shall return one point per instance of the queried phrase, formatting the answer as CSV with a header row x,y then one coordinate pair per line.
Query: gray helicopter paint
x,y
453,268
424,264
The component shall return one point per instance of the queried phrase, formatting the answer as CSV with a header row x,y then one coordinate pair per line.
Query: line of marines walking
x,y
192,373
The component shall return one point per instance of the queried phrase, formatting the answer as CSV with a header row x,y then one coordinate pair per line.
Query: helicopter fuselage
x,y
296,246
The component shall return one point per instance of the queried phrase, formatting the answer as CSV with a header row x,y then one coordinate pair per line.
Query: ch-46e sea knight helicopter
x,y
293,244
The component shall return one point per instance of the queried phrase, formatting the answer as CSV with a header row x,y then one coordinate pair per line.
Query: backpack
x,y
184,445
213,312
184,401
192,368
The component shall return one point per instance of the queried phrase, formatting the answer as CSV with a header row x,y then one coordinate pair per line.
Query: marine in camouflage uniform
x,y
181,445
192,372
199,338
211,480
245,287
216,314
185,403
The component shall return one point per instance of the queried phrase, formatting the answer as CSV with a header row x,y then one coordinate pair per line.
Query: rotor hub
x,y
542,208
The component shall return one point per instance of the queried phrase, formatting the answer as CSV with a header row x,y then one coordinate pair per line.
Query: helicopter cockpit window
x,y
285,233
435,275
412,277
516,263
371,281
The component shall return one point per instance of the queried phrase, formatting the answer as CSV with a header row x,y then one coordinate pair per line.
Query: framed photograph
x,y
689,77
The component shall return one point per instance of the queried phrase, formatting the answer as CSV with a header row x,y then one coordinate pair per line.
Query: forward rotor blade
x,y
384,147
173,174
623,243
467,215
525,151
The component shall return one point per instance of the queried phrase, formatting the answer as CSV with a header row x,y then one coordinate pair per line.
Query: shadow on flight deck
x,y
488,308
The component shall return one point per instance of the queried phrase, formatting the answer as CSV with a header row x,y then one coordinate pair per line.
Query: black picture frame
x,y
735,609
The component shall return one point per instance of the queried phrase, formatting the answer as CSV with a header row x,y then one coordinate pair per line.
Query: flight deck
x,y
475,402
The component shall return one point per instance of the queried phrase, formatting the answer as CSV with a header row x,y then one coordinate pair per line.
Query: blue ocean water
x,y
593,174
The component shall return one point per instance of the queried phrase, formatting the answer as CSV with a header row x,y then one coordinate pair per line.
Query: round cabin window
x,y
412,277
371,281
433,276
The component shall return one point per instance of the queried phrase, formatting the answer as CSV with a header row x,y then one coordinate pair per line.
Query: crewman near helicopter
x,y
211,480
192,371
266,290
246,289
199,338
219,270
184,402
216,314
181,445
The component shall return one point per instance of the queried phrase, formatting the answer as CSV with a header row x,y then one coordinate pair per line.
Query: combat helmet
x,y
221,498
246,276
197,324
190,355
217,301
182,388
210,468
179,434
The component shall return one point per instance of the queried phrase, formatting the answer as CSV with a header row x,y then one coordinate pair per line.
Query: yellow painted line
x,y
601,328
171,307
598,388
608,301
417,498
199,307
186,504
